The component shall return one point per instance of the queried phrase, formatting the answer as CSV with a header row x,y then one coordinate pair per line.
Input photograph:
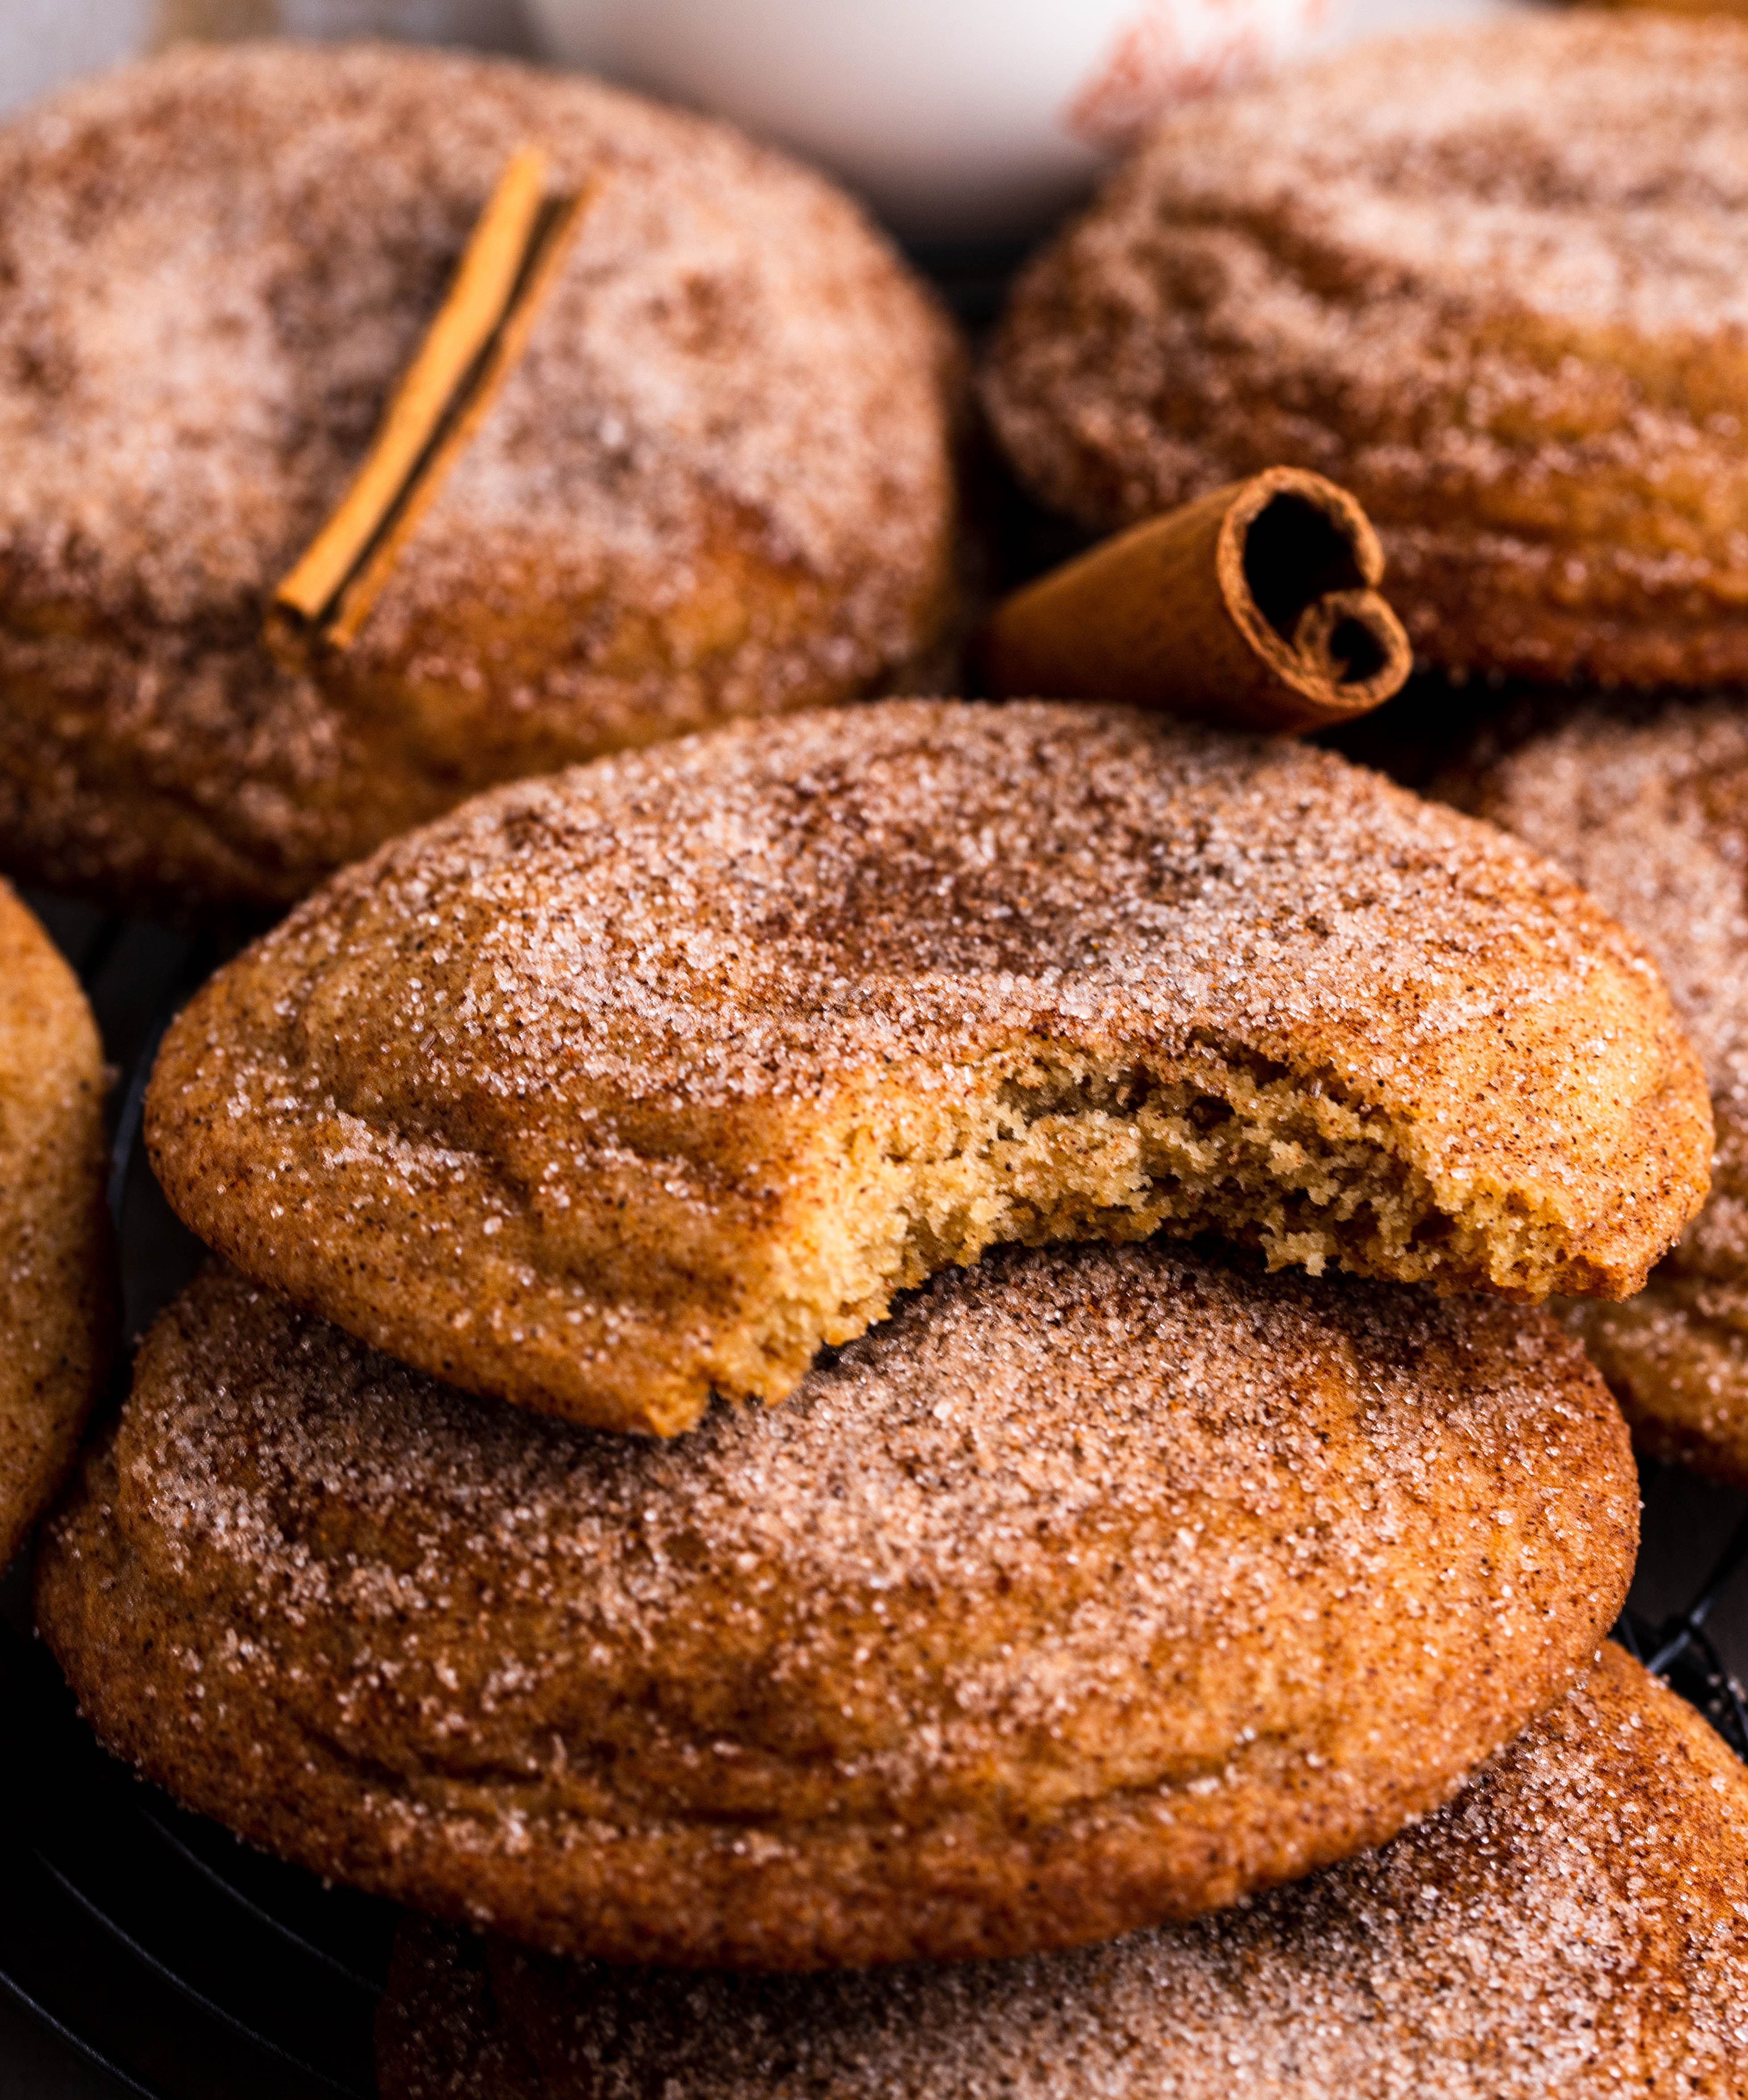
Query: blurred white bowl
x,y
956,118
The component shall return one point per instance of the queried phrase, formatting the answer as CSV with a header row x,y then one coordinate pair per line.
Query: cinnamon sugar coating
x,y
1494,282
1100,1585
1573,1924
57,1285
611,1090
1648,810
718,485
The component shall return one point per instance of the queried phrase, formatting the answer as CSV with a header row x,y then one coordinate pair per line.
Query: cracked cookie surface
x,y
1100,1585
652,1079
1571,1923
1492,281
717,484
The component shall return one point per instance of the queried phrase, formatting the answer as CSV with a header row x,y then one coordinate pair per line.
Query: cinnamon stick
x,y
1256,606
512,257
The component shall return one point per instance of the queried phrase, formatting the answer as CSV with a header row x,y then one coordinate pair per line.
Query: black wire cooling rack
x,y
1679,1649
183,1963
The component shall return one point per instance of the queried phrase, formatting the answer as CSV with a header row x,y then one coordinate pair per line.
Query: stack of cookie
x,y
1492,283
1112,1151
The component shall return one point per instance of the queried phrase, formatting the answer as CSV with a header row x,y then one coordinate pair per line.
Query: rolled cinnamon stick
x,y
480,330
1255,606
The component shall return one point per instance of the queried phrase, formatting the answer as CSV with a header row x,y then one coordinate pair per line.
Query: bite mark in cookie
x,y
610,1091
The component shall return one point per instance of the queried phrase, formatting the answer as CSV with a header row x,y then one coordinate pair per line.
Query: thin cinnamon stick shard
x,y
1256,606
511,258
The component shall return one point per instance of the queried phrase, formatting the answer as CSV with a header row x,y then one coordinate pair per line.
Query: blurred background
x,y
973,120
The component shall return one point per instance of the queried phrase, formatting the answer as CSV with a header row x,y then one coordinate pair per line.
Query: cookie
x,y
1494,282
1101,1586
717,484
57,1285
608,1091
1648,807
1573,1923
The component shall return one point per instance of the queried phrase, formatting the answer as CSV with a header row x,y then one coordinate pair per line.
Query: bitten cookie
x,y
717,484
1573,1923
1494,282
608,1091
57,1288
1648,810
1101,1586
